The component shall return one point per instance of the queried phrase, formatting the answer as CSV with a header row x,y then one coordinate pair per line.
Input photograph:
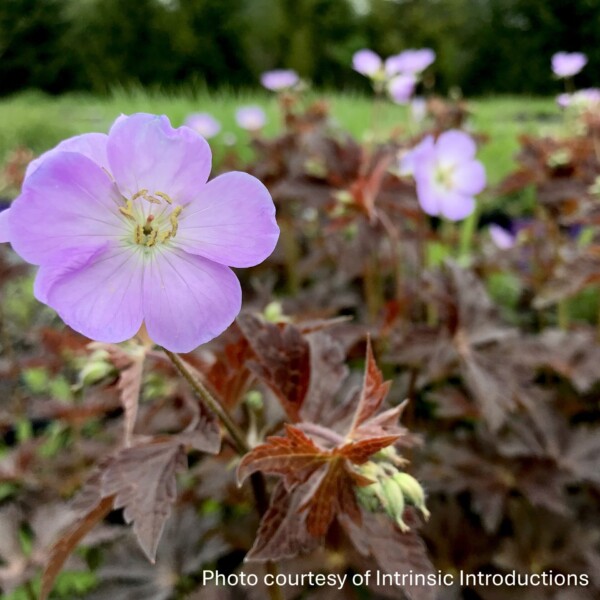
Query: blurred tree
x,y
483,46
32,52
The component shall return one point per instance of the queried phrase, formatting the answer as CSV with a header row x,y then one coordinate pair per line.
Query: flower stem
x,y
257,481
205,396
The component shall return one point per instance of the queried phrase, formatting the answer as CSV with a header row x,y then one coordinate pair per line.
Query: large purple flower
x,y
567,64
127,231
447,174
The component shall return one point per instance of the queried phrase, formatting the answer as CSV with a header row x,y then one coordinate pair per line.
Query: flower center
x,y
444,176
154,221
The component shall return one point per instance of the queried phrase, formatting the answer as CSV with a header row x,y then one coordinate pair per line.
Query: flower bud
x,y
412,491
96,368
394,502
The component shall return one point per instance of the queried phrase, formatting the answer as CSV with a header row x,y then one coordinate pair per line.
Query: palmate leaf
x,y
473,343
68,541
282,360
142,481
319,480
393,551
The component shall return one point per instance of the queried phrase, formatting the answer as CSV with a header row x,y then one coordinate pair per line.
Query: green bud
x,y
412,491
393,502
254,400
273,312
368,497
96,368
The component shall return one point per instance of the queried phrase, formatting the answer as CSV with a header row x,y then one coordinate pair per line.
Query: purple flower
x,y
447,174
402,87
567,64
368,63
501,237
126,231
418,109
279,79
251,118
204,124
410,61
563,100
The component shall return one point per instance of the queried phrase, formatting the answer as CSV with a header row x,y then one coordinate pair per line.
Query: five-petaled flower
x,y
251,118
279,79
203,123
567,64
126,231
447,174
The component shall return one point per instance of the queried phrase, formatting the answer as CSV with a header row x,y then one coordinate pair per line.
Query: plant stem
x,y
257,481
205,396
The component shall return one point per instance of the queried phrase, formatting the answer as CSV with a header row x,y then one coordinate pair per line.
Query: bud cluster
x,y
392,489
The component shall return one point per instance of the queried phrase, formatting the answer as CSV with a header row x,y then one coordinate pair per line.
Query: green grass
x,y
39,122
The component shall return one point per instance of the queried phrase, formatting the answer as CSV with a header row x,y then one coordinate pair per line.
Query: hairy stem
x,y
257,481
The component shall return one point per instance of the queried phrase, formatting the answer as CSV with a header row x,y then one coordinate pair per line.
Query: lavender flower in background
x,y
126,231
279,79
418,109
410,61
580,100
502,238
204,124
402,87
567,64
563,100
447,174
367,63
251,118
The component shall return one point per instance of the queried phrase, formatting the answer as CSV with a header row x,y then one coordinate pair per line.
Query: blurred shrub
x,y
483,46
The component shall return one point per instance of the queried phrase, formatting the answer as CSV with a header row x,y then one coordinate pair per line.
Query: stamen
x,y
164,236
164,196
126,213
138,236
152,239
173,220
138,194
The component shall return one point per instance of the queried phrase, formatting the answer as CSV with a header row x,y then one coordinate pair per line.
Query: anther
x,y
138,194
125,212
152,239
138,236
164,196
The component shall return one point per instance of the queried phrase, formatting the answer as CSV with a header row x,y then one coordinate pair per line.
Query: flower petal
x,y
455,146
92,145
456,207
4,228
428,196
99,294
188,300
232,221
69,201
469,178
145,152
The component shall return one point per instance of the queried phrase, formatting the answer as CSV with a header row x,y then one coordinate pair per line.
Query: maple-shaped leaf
x,y
330,472
283,360
282,532
473,343
392,550
142,480
326,475
68,541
